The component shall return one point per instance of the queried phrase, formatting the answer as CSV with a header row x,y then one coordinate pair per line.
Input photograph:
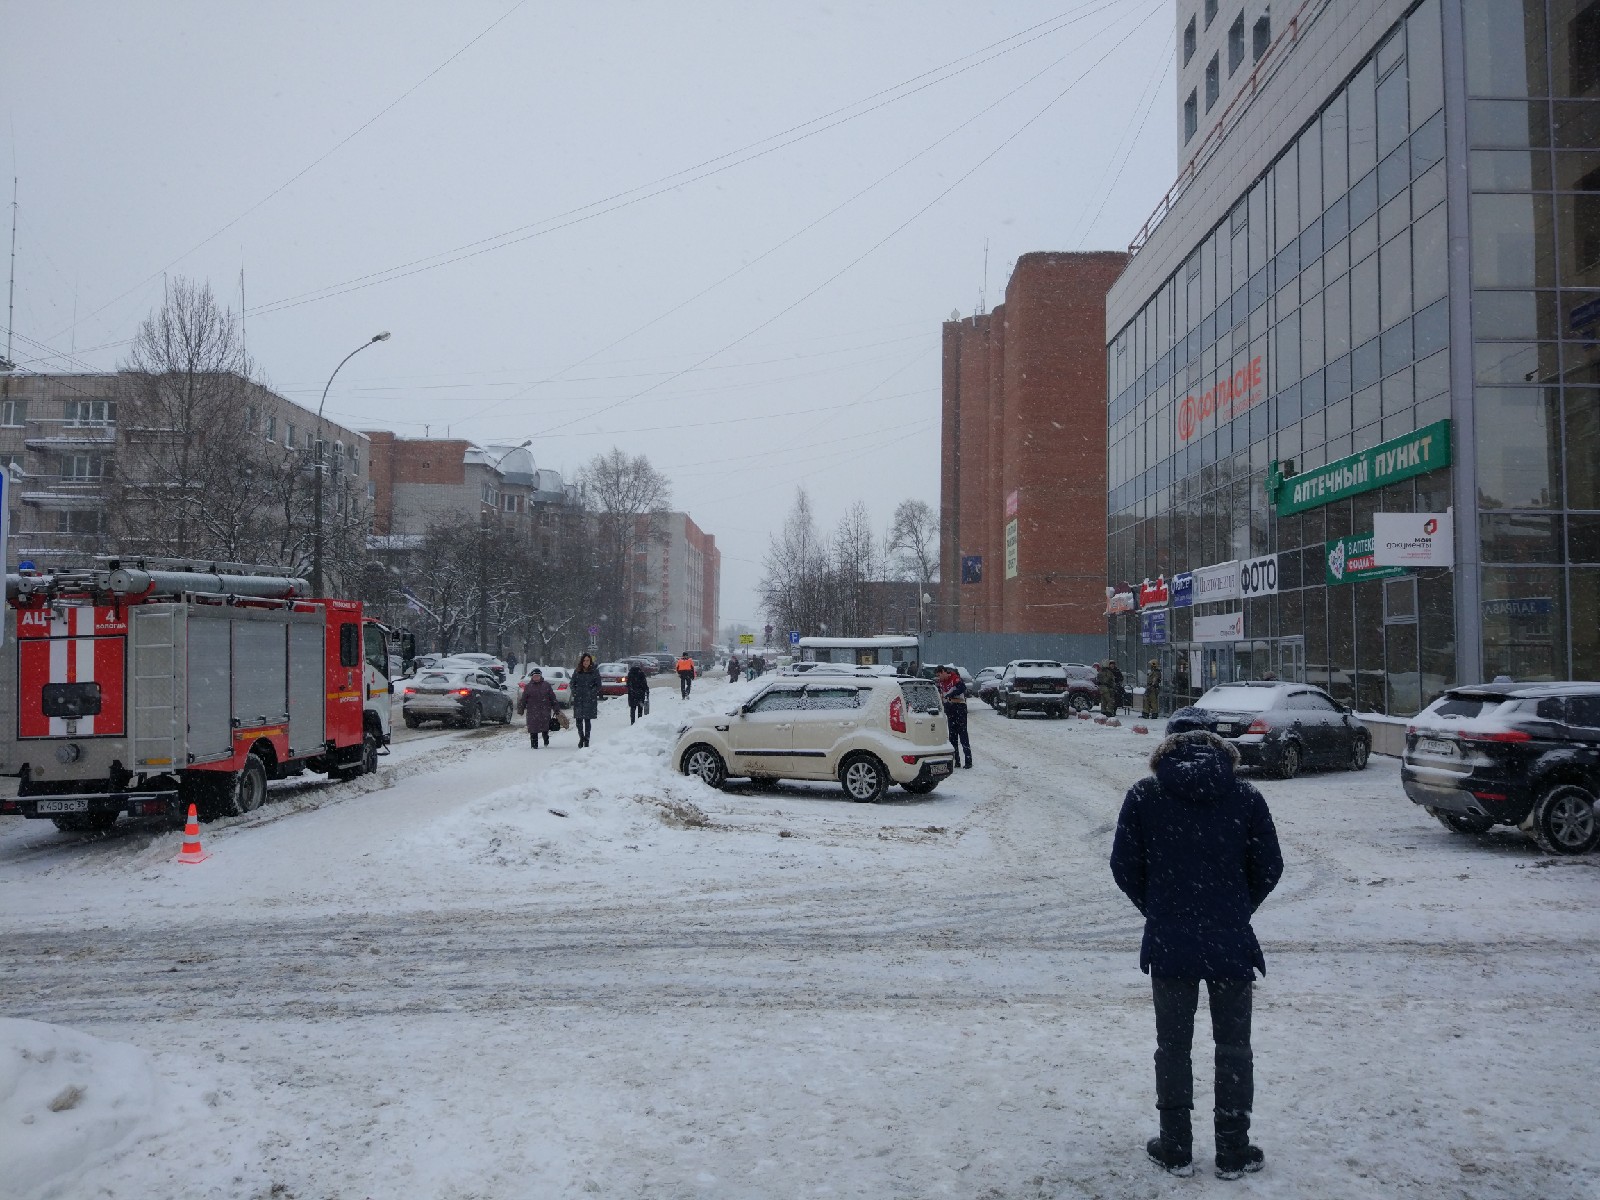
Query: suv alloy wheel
x,y
1564,820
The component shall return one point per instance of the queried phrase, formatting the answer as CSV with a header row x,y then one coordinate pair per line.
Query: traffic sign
x,y
794,637
594,631
747,639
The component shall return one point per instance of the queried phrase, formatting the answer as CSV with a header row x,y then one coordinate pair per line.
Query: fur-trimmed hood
x,y
1197,765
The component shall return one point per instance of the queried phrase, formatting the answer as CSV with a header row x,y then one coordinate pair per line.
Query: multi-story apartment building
x,y
677,579
60,442
1372,301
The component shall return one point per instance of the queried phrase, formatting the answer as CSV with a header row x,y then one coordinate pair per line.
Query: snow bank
x,y
586,806
75,1109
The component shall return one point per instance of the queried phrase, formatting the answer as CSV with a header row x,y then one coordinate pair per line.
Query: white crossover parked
x,y
867,732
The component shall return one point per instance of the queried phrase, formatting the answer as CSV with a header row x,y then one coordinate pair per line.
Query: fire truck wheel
x,y
245,792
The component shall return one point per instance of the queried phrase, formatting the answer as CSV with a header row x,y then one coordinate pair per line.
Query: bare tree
x,y
625,494
182,483
913,542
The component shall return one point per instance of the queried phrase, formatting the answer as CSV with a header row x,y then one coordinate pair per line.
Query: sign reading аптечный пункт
x,y
1399,458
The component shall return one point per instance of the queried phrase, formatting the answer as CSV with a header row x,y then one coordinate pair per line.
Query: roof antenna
x,y
11,298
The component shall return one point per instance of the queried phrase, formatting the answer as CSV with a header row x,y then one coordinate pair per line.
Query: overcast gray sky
x,y
545,203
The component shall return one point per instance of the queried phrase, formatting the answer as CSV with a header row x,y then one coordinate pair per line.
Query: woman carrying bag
x,y
638,693
585,697
537,703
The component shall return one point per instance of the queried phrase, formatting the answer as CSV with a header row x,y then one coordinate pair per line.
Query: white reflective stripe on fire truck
x,y
60,649
83,650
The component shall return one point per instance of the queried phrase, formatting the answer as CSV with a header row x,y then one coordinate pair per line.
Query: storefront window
x,y
1524,623
1583,449
1518,433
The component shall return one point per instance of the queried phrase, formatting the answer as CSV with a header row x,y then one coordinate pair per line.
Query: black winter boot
x,y
1235,1155
1173,1151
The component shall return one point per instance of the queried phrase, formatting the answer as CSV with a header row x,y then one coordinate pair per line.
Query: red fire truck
x,y
143,686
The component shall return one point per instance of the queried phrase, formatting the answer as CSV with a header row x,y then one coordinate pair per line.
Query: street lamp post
x,y
316,516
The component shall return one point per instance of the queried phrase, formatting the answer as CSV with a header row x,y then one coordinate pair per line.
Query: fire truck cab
x,y
143,687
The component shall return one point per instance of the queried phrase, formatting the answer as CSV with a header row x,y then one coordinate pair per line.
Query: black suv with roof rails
x,y
1525,754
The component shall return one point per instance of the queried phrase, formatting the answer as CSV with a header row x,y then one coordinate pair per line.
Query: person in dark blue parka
x,y
1196,852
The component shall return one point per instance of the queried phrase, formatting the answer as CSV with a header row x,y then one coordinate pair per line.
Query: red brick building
x,y
1024,441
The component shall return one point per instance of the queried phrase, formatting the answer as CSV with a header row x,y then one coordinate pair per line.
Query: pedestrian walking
x,y
585,687
638,692
1196,852
1152,691
953,689
536,701
733,669
685,674
511,665
1107,683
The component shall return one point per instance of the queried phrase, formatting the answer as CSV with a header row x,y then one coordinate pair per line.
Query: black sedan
x,y
455,697
1282,727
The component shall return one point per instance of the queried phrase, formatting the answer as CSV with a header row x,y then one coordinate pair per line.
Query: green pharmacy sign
x,y
1399,458
1349,560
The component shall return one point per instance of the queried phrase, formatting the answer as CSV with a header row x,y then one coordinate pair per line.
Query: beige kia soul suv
x,y
864,731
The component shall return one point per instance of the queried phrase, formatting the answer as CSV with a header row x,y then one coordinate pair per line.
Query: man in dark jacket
x,y
1196,852
954,692
638,692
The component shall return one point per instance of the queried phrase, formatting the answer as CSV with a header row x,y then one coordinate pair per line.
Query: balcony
x,y
61,435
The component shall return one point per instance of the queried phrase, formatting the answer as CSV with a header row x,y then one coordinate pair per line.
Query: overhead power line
x,y
693,174
309,167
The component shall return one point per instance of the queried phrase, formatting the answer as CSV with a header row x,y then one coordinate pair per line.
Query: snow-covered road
x,y
431,985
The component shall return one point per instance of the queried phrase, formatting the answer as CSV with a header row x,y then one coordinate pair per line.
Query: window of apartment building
x,y
1191,117
338,456
1211,12
1261,36
83,520
355,461
1188,42
13,412
490,496
82,468
288,435
1213,82
272,427
90,412
1236,44
251,417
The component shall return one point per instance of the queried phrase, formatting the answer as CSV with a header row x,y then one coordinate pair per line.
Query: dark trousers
x,y
635,709
685,682
585,724
1175,1003
956,714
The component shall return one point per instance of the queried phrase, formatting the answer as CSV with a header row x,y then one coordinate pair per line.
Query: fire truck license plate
x,y
55,806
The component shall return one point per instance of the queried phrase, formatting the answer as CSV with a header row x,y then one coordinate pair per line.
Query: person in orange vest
x,y
685,673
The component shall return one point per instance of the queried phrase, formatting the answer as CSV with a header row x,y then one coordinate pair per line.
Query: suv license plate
x,y
61,806
938,769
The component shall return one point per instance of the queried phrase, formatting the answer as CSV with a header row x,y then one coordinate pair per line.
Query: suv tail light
x,y
897,715
1259,725
1504,735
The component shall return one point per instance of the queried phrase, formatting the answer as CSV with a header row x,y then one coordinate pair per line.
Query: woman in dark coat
x,y
638,693
585,697
538,705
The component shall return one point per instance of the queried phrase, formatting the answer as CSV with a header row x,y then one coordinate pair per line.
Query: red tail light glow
x,y
1259,725
463,691
1500,735
897,715
411,691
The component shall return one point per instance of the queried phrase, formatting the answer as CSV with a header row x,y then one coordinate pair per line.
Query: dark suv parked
x,y
1510,754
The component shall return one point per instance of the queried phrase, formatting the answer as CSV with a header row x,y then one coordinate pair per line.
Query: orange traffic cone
x,y
191,852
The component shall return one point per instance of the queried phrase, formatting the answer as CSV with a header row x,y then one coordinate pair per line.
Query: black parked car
x,y
1510,754
1033,683
1281,727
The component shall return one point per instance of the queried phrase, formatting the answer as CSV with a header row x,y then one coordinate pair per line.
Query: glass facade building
x,y
1421,260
